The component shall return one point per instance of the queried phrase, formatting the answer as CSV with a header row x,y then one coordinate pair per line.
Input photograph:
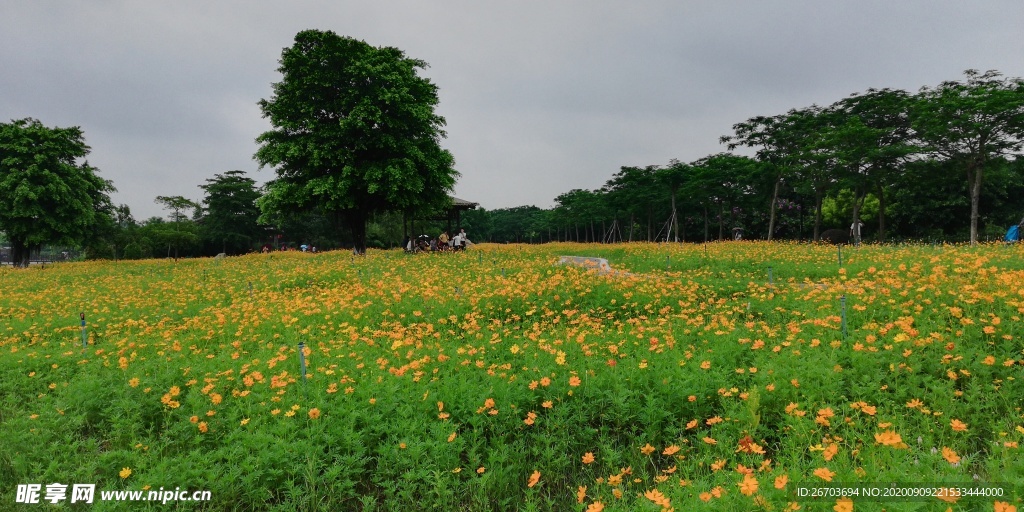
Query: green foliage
x,y
354,133
46,196
230,214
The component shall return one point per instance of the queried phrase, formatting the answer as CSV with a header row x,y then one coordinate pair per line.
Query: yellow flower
x,y
125,472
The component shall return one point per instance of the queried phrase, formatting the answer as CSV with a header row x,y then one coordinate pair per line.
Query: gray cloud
x,y
540,97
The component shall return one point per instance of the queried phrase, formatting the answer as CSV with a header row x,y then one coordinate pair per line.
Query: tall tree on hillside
x,y
971,123
230,213
355,132
46,195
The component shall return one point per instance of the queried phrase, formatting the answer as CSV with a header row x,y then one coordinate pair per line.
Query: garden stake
x,y
85,337
842,312
302,366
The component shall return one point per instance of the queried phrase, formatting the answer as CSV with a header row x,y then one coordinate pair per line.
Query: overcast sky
x,y
540,96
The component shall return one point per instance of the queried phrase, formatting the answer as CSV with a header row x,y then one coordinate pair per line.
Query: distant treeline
x,y
939,164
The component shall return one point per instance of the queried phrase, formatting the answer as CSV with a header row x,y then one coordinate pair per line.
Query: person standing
x,y
457,242
855,230
442,241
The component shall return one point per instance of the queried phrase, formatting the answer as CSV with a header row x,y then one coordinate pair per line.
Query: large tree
x,y
46,195
355,132
780,142
972,123
230,212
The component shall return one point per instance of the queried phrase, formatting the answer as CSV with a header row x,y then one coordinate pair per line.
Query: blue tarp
x,y
1013,234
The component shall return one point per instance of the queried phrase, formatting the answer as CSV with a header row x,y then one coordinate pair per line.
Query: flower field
x,y
717,377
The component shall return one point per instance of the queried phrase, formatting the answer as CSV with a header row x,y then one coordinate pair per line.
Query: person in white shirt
x,y
855,229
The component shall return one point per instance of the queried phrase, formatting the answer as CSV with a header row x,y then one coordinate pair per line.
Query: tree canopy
x,y
355,132
46,195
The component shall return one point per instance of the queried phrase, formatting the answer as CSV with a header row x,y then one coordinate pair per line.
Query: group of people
x,y
425,243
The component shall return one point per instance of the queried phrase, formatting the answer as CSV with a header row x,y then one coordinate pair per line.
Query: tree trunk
x,y
650,227
771,209
20,253
675,219
357,225
632,221
706,226
721,221
855,230
818,197
881,213
974,176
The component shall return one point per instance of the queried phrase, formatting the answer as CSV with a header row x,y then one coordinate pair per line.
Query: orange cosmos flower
x,y
830,451
824,474
658,498
314,413
534,478
647,449
581,493
596,506
202,427
574,381
748,485
889,438
1002,506
948,495
950,455
958,425
781,481
588,458
843,504
671,450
